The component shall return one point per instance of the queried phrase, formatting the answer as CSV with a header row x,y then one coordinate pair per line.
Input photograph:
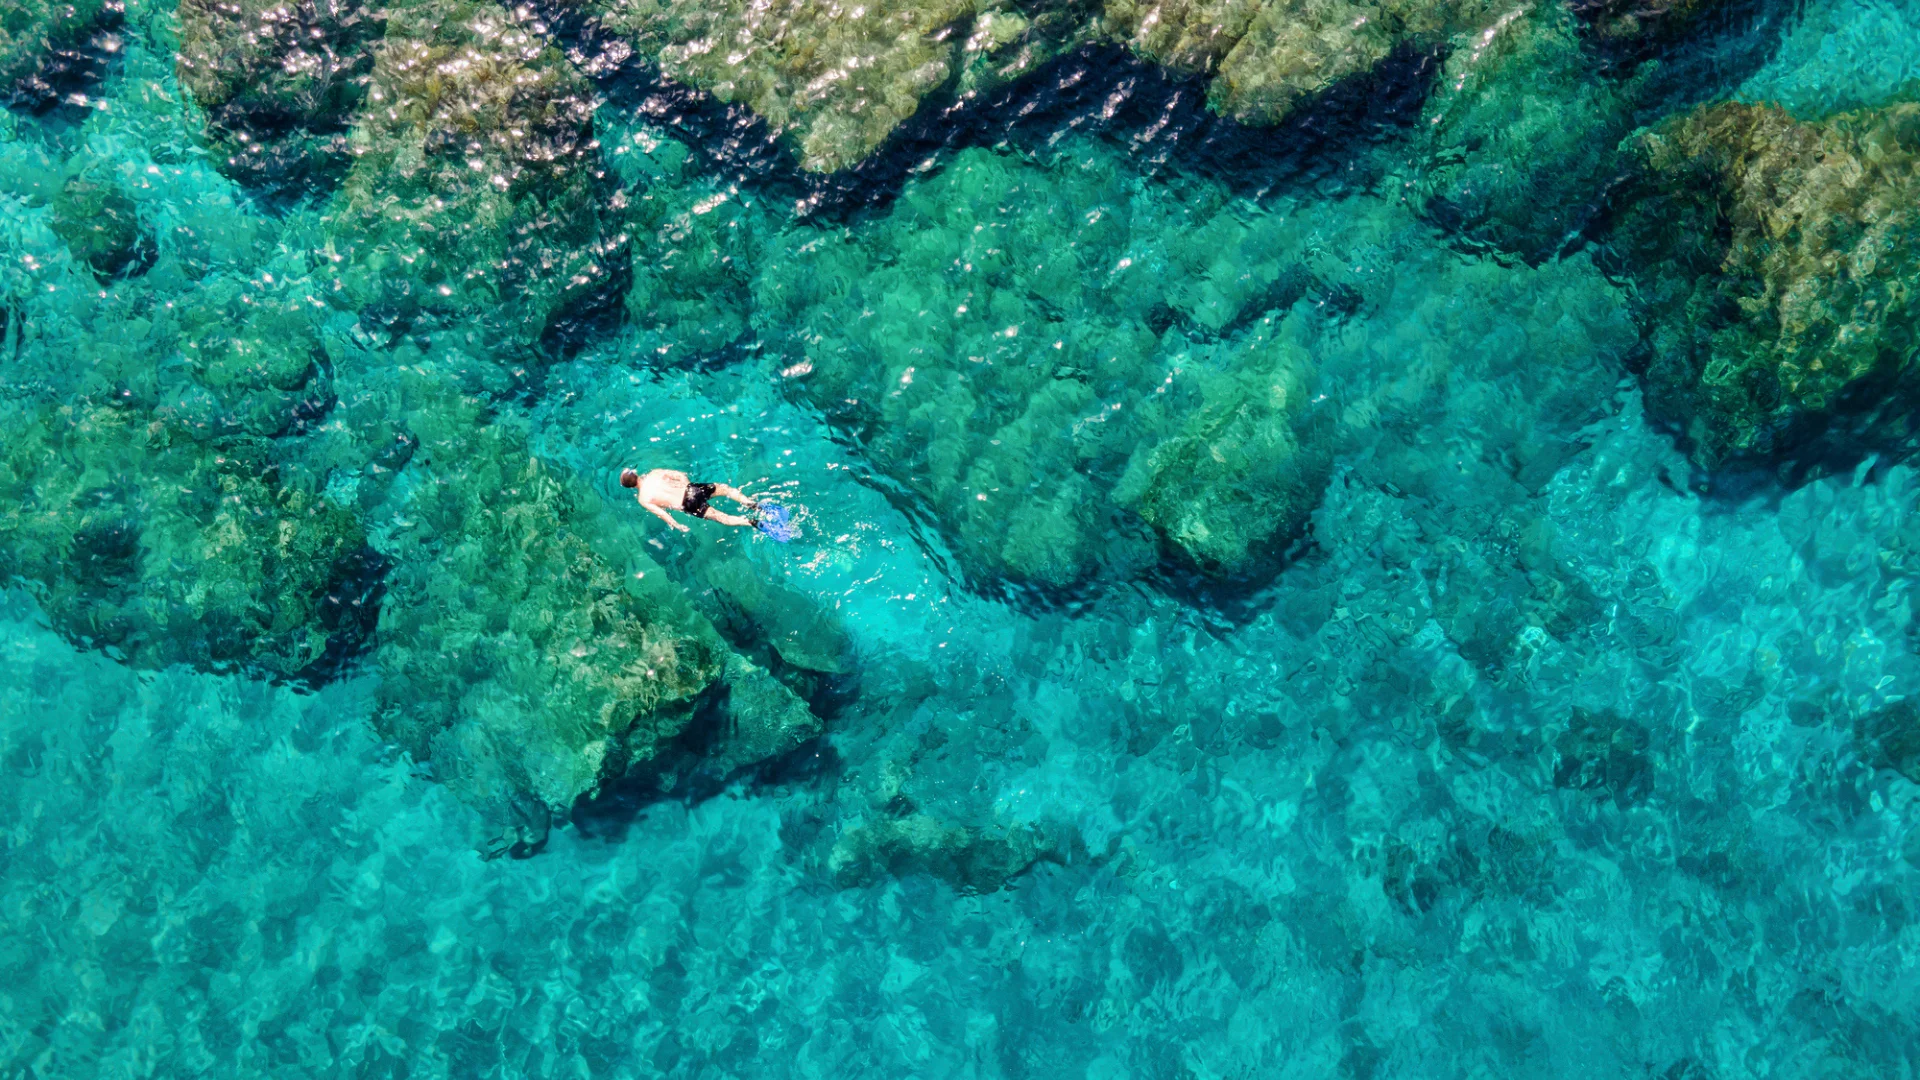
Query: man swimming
x,y
669,489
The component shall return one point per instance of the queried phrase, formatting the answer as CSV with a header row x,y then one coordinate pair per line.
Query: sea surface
x,y
1517,742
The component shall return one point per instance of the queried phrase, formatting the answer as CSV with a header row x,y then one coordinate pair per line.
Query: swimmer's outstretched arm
x,y
736,495
664,516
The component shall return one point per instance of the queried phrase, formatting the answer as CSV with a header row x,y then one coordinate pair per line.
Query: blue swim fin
x,y
777,522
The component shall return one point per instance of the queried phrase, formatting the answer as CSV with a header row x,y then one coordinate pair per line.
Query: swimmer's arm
x,y
664,516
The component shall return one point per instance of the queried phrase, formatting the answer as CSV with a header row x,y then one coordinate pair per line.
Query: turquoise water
x,y
1261,609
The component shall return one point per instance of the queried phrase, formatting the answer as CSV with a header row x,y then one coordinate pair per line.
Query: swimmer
x,y
668,489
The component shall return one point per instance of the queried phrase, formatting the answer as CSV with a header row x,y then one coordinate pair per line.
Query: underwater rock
x,y
515,655
1238,479
764,719
280,83
996,357
839,78
1512,168
1637,25
1891,737
972,860
30,27
529,650
1268,56
1775,266
102,227
162,548
693,268
755,612
255,358
1605,755
476,189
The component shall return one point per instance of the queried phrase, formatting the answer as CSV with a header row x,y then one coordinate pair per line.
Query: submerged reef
x,y
1009,365
1507,168
143,539
1081,396
514,655
1267,56
1635,27
280,83
30,27
693,261
475,189
1244,621
529,650
102,226
1775,264
838,79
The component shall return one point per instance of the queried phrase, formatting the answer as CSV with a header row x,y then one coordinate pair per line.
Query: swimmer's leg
x,y
725,518
736,495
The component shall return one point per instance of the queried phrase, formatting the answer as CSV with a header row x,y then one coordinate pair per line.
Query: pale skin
x,y
663,491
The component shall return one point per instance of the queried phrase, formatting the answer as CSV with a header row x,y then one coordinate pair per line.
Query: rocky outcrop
x,y
1776,268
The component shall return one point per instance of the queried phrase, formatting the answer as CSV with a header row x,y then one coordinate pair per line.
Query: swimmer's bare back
x,y
664,490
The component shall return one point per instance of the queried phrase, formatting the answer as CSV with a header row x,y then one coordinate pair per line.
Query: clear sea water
x,y
1536,756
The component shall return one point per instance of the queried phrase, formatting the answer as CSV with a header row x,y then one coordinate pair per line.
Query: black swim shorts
x,y
695,500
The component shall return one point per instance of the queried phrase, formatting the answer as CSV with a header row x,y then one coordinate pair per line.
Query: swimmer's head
x,y
629,478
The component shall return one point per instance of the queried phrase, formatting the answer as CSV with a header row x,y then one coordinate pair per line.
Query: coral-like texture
x,y
517,655
475,188
1776,263
102,226
1267,56
29,27
280,82
529,648
1004,361
164,549
1507,167
838,77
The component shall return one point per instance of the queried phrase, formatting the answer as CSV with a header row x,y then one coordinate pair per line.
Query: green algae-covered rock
x,y
529,649
993,348
692,267
140,538
280,82
254,356
1510,167
1267,56
515,655
971,859
1776,263
838,78
101,226
1236,480
962,342
475,188
29,27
